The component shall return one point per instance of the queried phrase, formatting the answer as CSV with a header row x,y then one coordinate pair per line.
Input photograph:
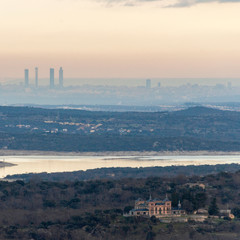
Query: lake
x,y
50,164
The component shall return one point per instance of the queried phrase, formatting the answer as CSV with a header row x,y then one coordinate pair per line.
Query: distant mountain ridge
x,y
199,110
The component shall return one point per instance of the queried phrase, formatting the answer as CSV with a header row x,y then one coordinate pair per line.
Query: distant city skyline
x,y
52,84
139,95
141,92
148,83
131,82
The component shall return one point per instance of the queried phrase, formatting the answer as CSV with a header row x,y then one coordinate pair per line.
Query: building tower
x,y
36,77
148,83
179,205
26,73
51,78
61,77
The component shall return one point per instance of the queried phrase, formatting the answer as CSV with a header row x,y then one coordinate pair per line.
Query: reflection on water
x,y
37,164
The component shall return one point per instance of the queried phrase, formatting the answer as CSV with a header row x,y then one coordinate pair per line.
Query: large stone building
x,y
155,207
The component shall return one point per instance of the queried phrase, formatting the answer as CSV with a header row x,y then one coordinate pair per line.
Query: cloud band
x,y
177,3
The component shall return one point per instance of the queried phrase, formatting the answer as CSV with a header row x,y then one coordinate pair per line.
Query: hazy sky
x,y
116,38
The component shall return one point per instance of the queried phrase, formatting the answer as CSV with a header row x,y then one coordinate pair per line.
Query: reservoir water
x,y
50,164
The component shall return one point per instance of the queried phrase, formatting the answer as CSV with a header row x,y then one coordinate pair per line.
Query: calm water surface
x,y
37,164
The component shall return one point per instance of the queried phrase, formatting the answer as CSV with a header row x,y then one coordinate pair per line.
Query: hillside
x,y
94,209
198,128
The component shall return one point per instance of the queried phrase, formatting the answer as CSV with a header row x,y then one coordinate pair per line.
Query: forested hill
x,y
84,210
198,128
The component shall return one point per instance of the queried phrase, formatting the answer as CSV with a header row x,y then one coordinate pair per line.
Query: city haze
x,y
164,93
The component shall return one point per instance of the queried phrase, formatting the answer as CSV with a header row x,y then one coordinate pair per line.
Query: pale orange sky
x,y
92,39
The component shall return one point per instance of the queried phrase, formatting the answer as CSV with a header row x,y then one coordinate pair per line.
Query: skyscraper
x,y
148,83
60,77
51,78
36,77
26,72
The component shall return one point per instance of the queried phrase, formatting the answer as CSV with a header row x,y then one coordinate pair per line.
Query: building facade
x,y
51,78
155,207
61,77
148,83
26,78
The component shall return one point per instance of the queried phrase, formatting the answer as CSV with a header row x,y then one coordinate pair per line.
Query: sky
x,y
120,39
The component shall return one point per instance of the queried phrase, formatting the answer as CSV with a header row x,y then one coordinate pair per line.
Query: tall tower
x,y
36,77
51,78
26,73
148,83
60,77
179,205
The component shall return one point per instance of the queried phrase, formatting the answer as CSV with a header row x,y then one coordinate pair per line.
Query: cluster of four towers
x,y
51,83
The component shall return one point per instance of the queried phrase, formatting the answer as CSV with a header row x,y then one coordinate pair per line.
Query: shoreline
x,y
119,153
